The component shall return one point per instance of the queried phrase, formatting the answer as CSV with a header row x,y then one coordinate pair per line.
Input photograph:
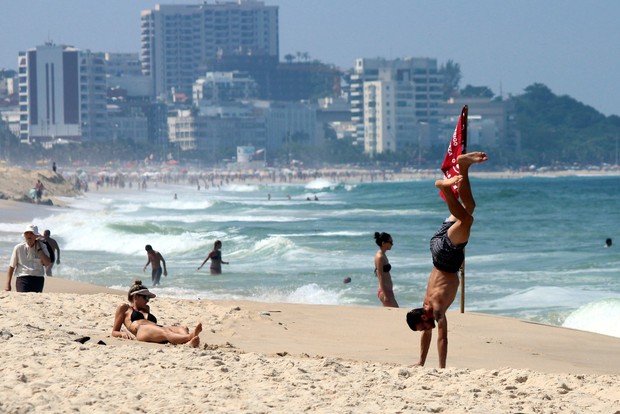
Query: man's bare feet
x,y
448,182
465,160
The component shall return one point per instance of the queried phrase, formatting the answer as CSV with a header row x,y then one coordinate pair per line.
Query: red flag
x,y
457,146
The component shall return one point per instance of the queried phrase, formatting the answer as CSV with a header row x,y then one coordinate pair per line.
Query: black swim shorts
x,y
446,256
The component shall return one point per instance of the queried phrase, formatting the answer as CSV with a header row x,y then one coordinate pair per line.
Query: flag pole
x,y
464,112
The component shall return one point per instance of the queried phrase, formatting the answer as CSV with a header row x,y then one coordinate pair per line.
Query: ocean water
x,y
536,251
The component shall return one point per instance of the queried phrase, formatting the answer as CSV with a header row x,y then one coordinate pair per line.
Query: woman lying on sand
x,y
142,325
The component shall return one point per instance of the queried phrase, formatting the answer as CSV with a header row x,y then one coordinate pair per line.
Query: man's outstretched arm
x,y
425,343
442,341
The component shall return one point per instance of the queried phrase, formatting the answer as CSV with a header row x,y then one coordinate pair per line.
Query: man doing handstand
x,y
447,250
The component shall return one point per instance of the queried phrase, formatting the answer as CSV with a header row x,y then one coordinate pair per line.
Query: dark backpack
x,y
49,250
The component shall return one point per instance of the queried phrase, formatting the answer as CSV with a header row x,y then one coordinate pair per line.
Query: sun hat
x,y
32,229
144,292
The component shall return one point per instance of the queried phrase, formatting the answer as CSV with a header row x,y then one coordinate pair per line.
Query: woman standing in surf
x,y
216,259
385,293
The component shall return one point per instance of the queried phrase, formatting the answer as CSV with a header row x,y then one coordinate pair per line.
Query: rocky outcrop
x,y
16,184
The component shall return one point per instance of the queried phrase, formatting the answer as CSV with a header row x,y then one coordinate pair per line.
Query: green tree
x,y
477,92
7,73
560,130
451,72
342,151
9,143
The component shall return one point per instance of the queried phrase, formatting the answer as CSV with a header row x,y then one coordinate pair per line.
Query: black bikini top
x,y
386,268
137,315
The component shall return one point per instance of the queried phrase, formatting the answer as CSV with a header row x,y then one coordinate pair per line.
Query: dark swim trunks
x,y
156,275
446,256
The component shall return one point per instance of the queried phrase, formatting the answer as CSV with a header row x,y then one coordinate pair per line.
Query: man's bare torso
x,y
441,289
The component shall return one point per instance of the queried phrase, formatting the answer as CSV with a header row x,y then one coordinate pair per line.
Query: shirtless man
x,y
155,259
447,250
54,254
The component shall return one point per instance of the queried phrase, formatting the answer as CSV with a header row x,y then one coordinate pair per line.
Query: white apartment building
x,y
219,87
391,98
185,128
217,129
8,86
178,42
62,95
220,129
379,116
11,119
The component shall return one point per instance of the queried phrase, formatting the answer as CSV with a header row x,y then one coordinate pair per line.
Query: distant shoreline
x,y
16,182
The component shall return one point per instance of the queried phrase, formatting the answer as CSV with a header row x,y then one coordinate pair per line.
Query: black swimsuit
x,y
137,315
386,268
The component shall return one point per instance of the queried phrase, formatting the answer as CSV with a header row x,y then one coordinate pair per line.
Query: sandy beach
x,y
267,357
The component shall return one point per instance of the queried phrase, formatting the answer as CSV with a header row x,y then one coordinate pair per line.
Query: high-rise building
x,y
390,99
180,43
62,95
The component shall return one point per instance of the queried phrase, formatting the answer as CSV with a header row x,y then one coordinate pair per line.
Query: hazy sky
x,y
572,46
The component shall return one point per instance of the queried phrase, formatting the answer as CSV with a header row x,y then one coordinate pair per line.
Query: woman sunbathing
x,y
142,325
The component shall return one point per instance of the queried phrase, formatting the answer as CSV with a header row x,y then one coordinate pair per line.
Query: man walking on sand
x,y
155,259
28,263
447,250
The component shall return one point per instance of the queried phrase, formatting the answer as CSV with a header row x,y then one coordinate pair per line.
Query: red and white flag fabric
x,y
457,146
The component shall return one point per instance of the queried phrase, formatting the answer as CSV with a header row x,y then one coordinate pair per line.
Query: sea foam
x,y
600,316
